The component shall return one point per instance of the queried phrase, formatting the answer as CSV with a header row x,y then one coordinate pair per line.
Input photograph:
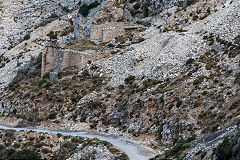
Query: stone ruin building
x,y
107,32
55,58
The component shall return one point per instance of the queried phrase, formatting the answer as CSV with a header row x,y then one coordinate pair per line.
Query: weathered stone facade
x,y
55,59
109,31
48,58
72,58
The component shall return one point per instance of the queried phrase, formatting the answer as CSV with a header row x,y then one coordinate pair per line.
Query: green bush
x,y
141,39
132,1
235,105
46,150
181,30
130,79
9,133
110,45
16,145
26,154
113,150
237,79
60,75
145,9
1,147
202,114
83,118
179,103
179,147
195,17
10,152
52,115
26,37
2,65
159,132
85,8
52,35
69,146
198,80
65,9
190,61
42,82
170,107
204,16
47,85
93,5
137,6
13,86
191,2
224,150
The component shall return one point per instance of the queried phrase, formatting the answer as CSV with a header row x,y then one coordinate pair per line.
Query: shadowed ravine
x,y
133,150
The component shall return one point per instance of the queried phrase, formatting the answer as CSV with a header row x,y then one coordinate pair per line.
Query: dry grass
x,y
81,45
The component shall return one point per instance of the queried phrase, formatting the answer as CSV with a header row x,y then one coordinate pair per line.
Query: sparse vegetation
x,y
224,150
81,45
65,9
179,148
190,61
85,8
26,37
35,146
195,17
204,16
237,79
25,154
52,35
130,79
198,80
171,102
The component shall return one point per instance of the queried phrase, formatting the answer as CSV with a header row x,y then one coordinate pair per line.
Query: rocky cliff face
x,y
24,25
175,80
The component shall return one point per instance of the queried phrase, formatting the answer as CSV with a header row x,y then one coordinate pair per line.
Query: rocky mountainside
x,y
174,85
54,146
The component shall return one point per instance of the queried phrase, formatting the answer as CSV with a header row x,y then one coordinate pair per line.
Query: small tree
x,y
26,154
224,150
52,35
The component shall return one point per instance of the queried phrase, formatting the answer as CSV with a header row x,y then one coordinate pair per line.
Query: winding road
x,y
132,149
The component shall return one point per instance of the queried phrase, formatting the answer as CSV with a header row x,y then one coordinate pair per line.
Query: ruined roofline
x,y
71,50
118,25
122,27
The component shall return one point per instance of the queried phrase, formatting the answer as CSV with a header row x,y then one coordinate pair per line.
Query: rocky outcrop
x,y
23,29
174,81
55,146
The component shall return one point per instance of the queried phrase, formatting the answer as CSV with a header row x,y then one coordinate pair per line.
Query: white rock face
x,y
162,55
70,4
99,152
19,17
35,18
225,22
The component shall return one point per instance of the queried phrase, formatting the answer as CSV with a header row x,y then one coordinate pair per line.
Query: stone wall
x,y
48,58
96,33
55,60
59,58
72,59
109,31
